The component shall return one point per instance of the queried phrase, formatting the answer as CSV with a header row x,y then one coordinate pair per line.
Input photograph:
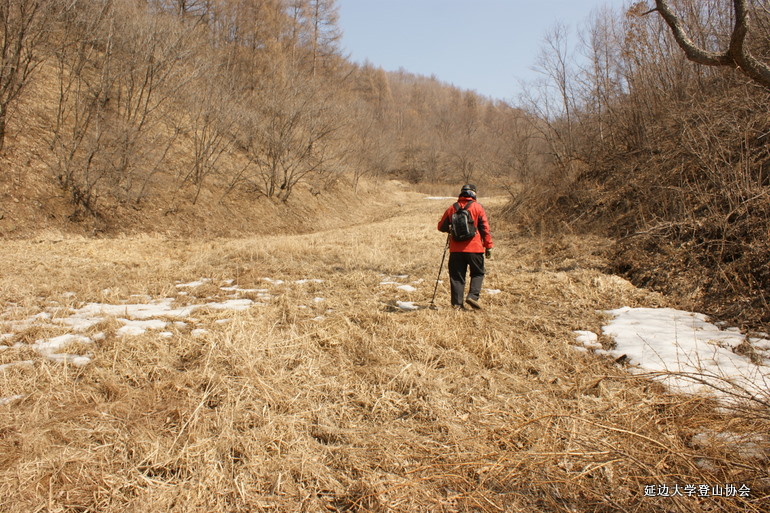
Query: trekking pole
x,y
432,306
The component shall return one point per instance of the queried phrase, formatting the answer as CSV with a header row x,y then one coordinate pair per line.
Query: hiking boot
x,y
474,303
458,307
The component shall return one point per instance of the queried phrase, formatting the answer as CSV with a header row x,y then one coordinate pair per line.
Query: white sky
x,y
483,45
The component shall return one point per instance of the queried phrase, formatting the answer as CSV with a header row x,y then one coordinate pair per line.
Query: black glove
x,y
488,253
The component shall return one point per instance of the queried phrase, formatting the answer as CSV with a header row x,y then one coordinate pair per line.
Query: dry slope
x,y
325,395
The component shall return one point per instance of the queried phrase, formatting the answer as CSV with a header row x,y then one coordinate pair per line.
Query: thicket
x,y
145,100
669,157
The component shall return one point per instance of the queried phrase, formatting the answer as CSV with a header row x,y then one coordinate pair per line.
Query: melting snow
x,y
136,318
8,400
193,284
232,304
23,363
686,352
406,305
407,288
50,347
589,339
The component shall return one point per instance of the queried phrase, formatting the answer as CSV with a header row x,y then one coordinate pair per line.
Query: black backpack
x,y
462,227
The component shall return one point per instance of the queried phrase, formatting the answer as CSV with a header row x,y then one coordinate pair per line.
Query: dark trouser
x,y
458,266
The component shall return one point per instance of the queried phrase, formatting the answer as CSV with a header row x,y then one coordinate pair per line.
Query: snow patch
x,y
232,304
50,347
23,363
588,339
686,352
406,305
193,284
747,446
12,399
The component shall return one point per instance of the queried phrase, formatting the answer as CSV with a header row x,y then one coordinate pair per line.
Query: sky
x,y
483,45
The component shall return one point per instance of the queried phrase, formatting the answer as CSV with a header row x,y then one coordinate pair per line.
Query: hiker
x,y
469,243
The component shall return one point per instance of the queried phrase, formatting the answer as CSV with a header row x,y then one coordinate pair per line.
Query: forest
x,y
109,109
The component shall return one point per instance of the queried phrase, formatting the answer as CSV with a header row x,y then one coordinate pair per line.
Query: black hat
x,y
468,191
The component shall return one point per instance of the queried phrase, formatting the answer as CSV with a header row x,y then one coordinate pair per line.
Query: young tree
x,y
213,115
291,131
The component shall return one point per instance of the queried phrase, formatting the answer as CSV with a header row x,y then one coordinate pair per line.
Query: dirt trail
x,y
323,395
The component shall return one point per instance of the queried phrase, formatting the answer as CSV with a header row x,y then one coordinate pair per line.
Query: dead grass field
x,y
330,398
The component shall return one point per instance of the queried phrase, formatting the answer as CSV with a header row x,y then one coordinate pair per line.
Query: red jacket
x,y
483,238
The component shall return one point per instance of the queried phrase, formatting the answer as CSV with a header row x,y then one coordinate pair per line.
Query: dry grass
x,y
347,404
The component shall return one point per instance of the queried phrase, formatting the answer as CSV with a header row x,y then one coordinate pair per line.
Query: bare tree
x,y
22,32
552,103
85,79
119,66
737,55
213,114
291,132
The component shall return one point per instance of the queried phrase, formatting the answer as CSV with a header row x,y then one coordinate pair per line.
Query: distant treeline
x,y
142,97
